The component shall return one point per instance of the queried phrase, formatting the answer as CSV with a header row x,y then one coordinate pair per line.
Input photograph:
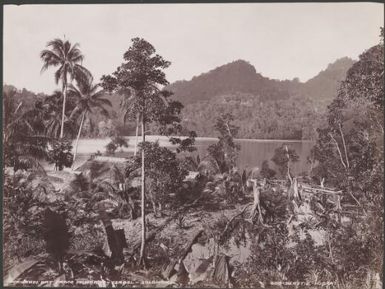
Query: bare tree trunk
x,y
142,259
136,134
64,108
288,164
154,208
257,203
343,142
339,151
160,209
77,138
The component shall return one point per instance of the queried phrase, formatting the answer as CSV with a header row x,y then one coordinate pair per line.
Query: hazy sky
x,y
282,41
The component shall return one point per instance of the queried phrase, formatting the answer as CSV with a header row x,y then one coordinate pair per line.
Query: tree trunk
x,y
77,139
160,209
115,244
143,244
154,208
343,142
288,164
257,203
64,108
136,134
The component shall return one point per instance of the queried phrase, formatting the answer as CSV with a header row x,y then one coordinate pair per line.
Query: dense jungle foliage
x,y
62,226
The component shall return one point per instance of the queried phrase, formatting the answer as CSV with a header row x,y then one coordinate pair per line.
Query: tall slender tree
x,y
53,113
140,79
68,59
89,97
136,134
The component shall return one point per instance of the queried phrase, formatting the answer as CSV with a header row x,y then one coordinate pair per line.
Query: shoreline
x,y
202,138
88,146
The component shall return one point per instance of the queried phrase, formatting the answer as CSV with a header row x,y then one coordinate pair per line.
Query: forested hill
x,y
241,77
235,77
262,107
324,85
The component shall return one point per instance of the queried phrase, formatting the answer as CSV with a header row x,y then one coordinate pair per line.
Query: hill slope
x,y
262,107
324,86
235,77
241,77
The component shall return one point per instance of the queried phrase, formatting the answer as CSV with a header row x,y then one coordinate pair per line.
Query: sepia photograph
x,y
193,145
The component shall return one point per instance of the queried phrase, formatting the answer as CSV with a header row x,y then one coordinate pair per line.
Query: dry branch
x,y
319,190
339,151
343,142
231,220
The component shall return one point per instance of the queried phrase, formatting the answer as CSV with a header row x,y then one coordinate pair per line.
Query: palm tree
x,y
88,97
67,57
53,107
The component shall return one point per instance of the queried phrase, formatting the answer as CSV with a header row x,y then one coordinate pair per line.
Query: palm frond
x,y
82,74
94,90
66,48
75,54
103,101
59,74
76,112
74,91
57,45
49,58
104,111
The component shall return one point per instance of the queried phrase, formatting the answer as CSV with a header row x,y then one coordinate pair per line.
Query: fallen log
x,y
319,190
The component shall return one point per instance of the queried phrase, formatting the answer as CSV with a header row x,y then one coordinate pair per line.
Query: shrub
x,y
266,171
111,148
60,154
282,158
119,141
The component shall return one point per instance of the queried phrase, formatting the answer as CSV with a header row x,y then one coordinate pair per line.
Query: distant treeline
x,y
96,125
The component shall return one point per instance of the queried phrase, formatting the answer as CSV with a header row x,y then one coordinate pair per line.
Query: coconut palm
x,y
52,107
89,97
68,58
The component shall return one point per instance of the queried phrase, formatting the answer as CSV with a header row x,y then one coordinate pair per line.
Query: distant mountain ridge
x,y
235,77
324,85
241,77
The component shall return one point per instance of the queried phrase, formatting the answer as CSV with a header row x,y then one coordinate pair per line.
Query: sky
x,y
282,41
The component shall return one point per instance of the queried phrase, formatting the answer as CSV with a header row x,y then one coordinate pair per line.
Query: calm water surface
x,y
252,153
